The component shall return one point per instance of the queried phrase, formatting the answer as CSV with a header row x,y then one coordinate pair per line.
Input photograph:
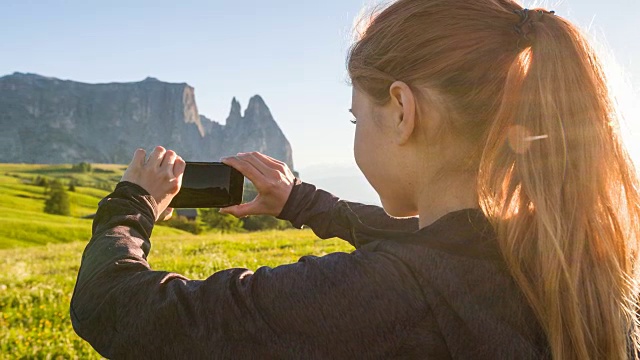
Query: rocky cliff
x,y
48,120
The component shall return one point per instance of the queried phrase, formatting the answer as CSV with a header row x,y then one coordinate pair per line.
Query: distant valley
x,y
345,181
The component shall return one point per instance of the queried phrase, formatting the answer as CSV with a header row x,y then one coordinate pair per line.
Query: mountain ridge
x,y
50,120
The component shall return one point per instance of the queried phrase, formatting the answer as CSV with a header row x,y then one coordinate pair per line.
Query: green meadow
x,y
40,256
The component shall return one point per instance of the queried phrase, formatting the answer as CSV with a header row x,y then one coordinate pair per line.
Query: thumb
x,y
239,211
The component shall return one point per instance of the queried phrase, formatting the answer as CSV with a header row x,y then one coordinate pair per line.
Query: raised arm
x,y
337,306
281,194
319,210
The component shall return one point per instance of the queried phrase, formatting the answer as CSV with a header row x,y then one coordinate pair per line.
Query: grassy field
x,y
40,256
23,221
36,283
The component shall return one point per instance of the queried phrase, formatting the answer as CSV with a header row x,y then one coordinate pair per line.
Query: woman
x,y
493,125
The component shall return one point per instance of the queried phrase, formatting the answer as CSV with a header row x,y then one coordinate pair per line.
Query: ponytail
x,y
526,89
563,196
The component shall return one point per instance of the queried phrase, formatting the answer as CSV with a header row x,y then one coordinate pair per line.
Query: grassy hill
x,y
40,256
23,221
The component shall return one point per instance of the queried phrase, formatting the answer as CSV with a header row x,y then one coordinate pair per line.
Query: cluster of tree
x,y
264,222
72,184
13,175
103,171
206,219
182,223
41,181
47,183
105,185
209,219
57,201
212,219
81,167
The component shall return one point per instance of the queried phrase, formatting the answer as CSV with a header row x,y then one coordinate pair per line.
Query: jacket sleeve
x,y
338,305
318,209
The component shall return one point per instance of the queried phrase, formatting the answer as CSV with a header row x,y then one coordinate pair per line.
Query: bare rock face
x,y
47,120
257,131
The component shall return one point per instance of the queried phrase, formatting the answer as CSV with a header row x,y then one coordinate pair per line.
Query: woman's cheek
x,y
367,161
357,150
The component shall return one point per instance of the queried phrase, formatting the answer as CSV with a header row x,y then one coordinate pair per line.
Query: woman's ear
x,y
403,108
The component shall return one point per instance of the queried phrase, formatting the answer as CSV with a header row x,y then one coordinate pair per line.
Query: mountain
x,y
48,120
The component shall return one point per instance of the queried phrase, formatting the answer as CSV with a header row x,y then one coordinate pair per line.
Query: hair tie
x,y
527,19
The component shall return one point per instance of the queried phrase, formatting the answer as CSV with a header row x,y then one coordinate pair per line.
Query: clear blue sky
x,y
290,52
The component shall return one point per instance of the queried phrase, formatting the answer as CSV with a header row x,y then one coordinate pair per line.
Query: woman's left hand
x,y
160,175
272,178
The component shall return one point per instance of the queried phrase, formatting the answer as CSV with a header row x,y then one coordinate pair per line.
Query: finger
x,y
247,169
257,163
168,161
138,157
155,158
240,211
178,168
269,160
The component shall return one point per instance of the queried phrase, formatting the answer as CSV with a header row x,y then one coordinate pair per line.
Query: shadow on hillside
x,y
31,197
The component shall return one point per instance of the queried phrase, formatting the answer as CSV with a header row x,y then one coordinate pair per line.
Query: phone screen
x,y
209,185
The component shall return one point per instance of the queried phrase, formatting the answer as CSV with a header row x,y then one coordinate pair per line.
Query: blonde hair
x,y
553,175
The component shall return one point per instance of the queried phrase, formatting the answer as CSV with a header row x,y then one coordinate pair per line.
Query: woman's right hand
x,y
272,178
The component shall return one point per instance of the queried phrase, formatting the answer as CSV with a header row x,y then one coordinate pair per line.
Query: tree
x,y
104,185
58,200
264,222
213,219
260,222
82,167
182,223
44,182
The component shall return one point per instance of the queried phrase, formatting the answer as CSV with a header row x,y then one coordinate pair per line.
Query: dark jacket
x,y
438,292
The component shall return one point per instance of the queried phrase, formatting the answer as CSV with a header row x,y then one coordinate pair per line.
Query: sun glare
x,y
525,60
626,98
366,16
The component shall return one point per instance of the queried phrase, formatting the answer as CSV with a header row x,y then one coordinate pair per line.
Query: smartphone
x,y
209,185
